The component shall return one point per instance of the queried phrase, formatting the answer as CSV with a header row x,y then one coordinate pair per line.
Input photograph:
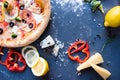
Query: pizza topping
x,y
26,15
9,10
24,21
18,19
11,24
10,14
1,16
30,25
38,17
1,30
4,25
22,7
27,3
5,4
15,29
35,8
14,35
40,3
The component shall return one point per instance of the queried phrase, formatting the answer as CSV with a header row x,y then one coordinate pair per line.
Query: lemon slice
x,y
41,68
27,48
31,58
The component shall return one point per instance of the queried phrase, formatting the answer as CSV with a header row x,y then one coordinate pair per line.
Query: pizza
x,y
22,21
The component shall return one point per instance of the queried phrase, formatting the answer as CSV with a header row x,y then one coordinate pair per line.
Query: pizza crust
x,y
35,34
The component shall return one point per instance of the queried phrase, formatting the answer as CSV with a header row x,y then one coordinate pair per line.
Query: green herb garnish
x,y
18,19
14,35
94,5
5,4
101,8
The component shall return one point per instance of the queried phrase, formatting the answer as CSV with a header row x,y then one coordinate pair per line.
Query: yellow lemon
x,y
41,68
112,18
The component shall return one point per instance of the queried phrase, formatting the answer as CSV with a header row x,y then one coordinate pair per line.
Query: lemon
x,y
112,18
31,58
27,48
41,68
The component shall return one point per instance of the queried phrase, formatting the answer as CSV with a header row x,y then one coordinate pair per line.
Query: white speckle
x,y
55,50
58,45
94,19
70,21
77,15
78,73
59,76
108,62
84,8
55,13
65,52
73,5
100,25
15,29
61,61
5,74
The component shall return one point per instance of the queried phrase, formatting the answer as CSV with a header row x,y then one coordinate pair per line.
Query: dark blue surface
x,y
68,25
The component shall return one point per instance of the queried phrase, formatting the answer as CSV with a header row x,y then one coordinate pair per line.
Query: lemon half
x,y
112,18
41,68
